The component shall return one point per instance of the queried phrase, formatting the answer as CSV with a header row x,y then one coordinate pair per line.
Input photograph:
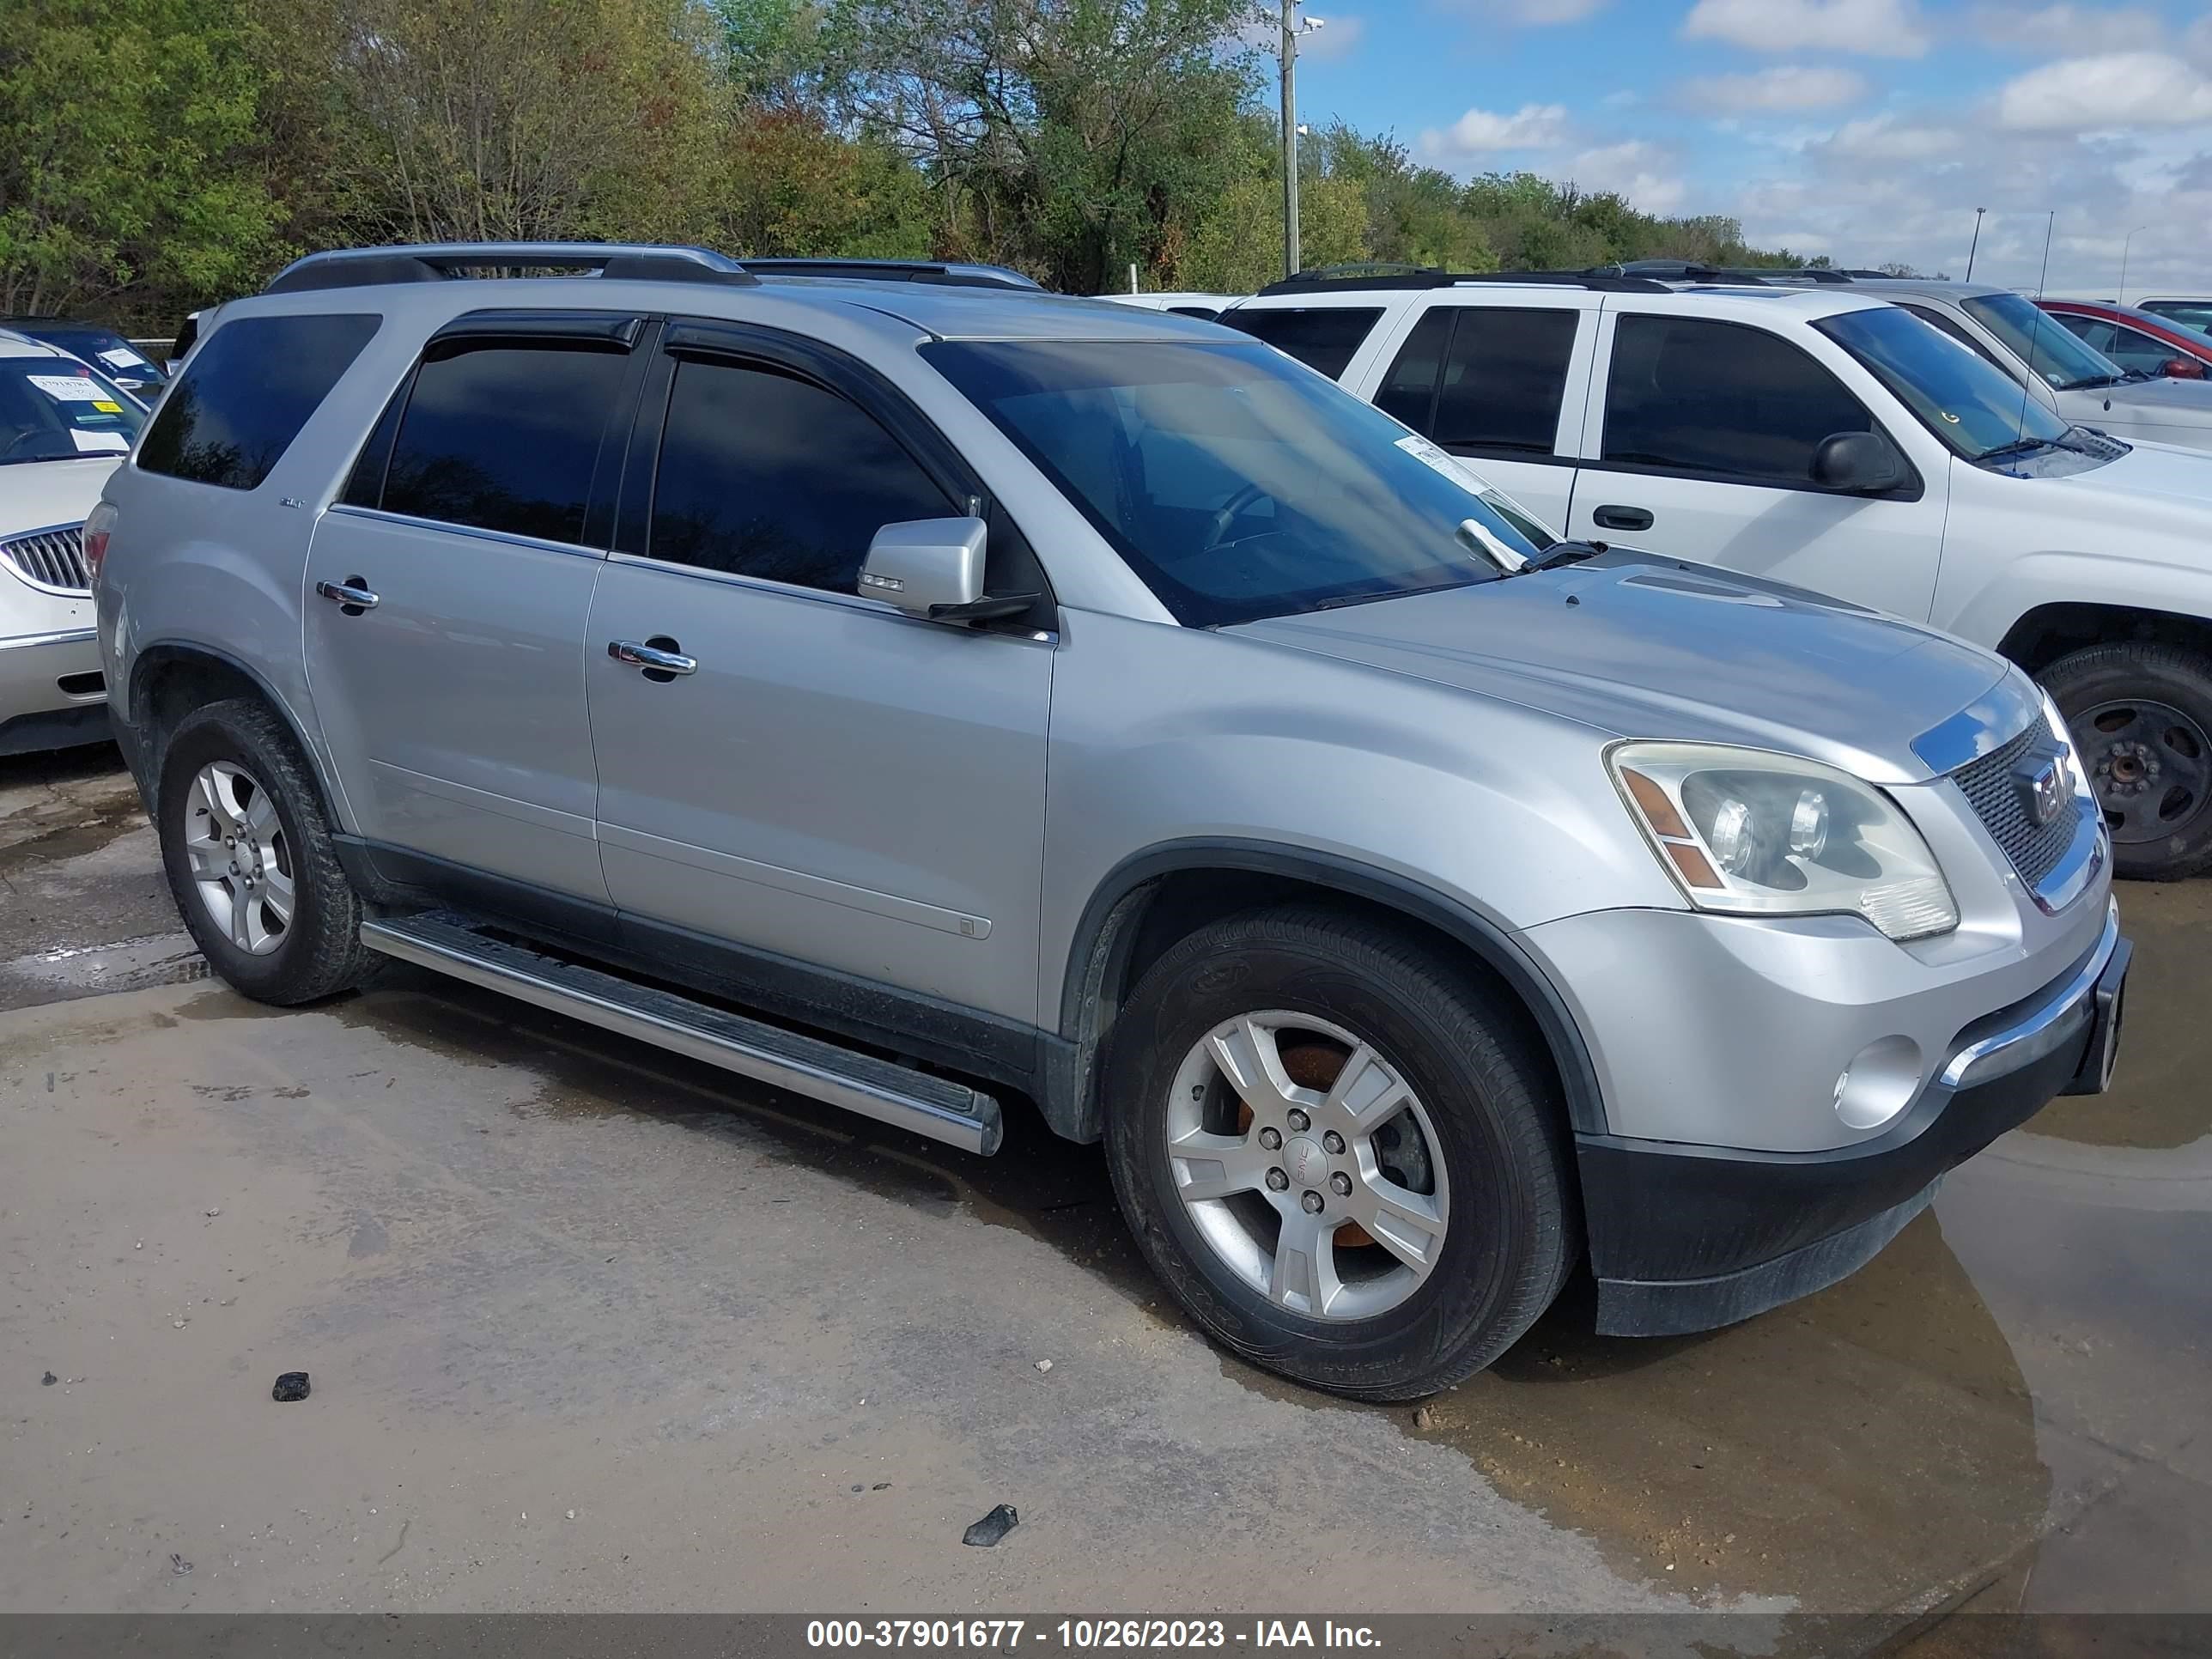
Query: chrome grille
x,y
1992,788
51,558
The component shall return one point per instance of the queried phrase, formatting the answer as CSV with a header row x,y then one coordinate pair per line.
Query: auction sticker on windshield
x,y
68,388
1438,461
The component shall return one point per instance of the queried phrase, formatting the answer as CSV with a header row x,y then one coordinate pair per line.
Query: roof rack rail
x,y
433,262
942,272
1696,270
1339,279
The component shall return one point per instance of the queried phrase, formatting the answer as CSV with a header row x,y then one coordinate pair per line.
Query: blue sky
x,y
1867,129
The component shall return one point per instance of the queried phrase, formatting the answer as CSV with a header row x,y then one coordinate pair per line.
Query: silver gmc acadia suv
x,y
911,695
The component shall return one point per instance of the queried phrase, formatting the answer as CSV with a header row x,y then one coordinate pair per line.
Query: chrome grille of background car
x,y
53,558
1992,788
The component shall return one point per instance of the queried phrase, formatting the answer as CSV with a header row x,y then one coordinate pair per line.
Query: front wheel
x,y
1340,1151
251,863
2140,716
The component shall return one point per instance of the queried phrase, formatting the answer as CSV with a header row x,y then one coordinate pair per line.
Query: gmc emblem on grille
x,y
2045,790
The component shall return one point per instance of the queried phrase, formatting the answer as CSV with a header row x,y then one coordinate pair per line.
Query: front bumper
x,y
51,692
1686,1239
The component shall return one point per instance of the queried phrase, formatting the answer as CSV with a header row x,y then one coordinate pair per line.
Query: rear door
x,y
1700,445
448,593
1503,387
827,780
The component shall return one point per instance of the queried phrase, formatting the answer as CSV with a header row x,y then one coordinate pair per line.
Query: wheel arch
x,y
169,679
1125,926
2046,632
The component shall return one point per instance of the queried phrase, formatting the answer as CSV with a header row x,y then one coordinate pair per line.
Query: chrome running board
x,y
446,942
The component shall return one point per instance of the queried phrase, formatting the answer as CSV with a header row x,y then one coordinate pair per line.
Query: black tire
x,y
1513,1234
320,953
2157,796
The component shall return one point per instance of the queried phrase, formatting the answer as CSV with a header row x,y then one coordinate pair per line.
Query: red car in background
x,y
2135,338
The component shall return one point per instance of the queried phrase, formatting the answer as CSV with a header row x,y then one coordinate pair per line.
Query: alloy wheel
x,y
1308,1164
238,857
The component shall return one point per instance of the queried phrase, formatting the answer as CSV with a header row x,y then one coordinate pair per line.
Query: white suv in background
x,y
63,428
1821,436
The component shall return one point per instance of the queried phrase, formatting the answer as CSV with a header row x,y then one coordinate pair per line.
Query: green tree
x,y
1065,136
126,127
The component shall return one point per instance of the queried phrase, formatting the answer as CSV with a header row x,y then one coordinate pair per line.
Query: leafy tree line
x,y
158,154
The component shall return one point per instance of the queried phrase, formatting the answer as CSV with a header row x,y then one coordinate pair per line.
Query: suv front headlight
x,y
1749,833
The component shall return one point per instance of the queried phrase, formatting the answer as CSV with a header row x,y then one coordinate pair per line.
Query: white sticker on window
x,y
124,358
68,388
1437,460
100,443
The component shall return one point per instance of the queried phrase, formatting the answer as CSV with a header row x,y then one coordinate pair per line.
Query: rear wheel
x,y
250,860
2140,716
1341,1153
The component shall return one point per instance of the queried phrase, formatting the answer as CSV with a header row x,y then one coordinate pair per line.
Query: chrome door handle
x,y
655,659
350,593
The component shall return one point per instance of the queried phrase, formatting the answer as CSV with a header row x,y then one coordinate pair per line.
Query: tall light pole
x,y
2131,235
1293,26
1975,244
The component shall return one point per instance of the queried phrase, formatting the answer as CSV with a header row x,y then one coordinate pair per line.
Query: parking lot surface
x,y
591,1327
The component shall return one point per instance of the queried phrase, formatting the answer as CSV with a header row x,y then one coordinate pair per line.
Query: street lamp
x,y
1976,243
1293,26
2130,237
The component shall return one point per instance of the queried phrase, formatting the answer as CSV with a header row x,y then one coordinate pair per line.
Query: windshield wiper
x,y
1560,553
2019,446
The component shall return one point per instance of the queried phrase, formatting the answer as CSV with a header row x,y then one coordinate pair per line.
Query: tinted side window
x,y
1720,400
1504,381
2130,348
765,475
247,393
1323,339
1408,393
505,438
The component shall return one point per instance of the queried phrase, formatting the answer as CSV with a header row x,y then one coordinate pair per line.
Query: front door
x,y
1702,449
447,596
783,765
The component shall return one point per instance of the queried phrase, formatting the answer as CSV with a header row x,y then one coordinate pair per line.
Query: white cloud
x,y
1338,39
1531,13
1641,173
1887,138
1532,126
1785,89
2066,28
1877,28
2112,89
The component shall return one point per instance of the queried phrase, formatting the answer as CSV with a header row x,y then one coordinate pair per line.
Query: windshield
x,y
2194,314
2036,338
1235,483
109,353
1974,408
52,409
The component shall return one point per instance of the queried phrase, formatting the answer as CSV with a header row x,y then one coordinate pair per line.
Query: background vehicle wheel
x,y
1344,1155
249,857
2141,717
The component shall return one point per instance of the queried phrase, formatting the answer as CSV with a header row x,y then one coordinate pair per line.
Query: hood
x,y
1641,648
2160,403
37,494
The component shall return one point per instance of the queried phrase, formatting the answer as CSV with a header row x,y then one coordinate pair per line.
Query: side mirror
x,y
1857,463
2183,368
931,568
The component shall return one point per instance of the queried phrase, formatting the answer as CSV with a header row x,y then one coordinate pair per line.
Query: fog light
x,y
1880,1082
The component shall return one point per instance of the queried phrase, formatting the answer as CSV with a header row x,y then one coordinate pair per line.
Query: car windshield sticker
x,y
1430,456
68,388
122,357
107,408
100,443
